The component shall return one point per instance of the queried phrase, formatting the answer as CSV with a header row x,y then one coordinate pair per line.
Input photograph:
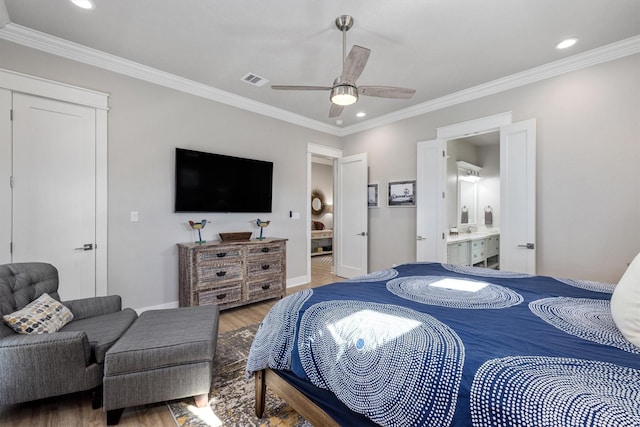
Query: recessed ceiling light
x,y
361,114
339,122
567,43
84,4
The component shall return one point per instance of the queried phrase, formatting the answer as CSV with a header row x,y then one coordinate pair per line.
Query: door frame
x,y
478,126
37,86
329,153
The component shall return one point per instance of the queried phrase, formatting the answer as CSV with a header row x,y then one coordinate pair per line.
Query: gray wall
x,y
588,128
146,123
588,152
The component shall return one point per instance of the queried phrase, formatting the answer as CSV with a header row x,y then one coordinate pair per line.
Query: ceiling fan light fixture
x,y
344,95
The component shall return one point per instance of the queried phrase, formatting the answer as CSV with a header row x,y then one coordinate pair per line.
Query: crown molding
x,y
77,52
592,57
74,51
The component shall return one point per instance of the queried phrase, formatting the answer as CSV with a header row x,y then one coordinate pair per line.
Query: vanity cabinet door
x,y
458,253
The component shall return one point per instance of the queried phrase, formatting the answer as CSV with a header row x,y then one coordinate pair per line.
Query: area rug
x,y
231,399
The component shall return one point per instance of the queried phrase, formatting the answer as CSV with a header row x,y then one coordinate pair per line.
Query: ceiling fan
x,y
344,90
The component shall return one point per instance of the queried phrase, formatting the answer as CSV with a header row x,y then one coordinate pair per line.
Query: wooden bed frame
x,y
298,401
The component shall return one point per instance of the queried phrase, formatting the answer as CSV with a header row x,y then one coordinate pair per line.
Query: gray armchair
x,y
70,360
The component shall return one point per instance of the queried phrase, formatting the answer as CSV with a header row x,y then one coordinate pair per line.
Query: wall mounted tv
x,y
207,182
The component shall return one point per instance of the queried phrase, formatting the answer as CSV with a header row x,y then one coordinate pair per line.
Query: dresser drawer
x,y
264,249
477,256
264,265
267,287
477,244
221,295
218,272
231,254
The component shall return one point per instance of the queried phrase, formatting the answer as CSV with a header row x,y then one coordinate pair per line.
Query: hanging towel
x,y
488,216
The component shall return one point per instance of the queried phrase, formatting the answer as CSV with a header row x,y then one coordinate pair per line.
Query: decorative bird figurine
x,y
262,225
199,226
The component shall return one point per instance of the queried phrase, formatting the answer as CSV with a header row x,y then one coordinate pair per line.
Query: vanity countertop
x,y
466,237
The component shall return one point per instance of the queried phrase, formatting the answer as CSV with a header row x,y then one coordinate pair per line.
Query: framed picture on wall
x,y
372,196
402,193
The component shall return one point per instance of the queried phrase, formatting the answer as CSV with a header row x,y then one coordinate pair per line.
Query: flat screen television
x,y
207,182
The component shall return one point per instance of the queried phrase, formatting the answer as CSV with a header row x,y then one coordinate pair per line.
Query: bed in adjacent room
x,y
438,344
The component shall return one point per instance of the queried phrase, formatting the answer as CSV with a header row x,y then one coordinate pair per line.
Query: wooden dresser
x,y
231,274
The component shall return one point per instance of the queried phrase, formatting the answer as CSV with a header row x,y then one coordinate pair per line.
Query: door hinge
x,y
443,195
11,181
442,236
11,248
11,114
443,154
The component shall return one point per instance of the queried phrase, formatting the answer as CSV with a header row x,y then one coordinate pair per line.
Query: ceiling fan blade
x,y
335,110
386,92
289,87
354,64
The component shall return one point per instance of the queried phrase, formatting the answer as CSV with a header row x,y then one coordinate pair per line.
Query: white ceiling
x,y
438,47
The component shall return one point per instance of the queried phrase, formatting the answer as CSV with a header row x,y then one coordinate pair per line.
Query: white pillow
x,y
43,316
625,303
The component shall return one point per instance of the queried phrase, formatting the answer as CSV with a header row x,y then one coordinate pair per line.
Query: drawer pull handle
x,y
221,296
265,287
221,273
265,267
222,254
265,249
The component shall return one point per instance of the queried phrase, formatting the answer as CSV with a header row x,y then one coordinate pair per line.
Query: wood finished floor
x,y
75,409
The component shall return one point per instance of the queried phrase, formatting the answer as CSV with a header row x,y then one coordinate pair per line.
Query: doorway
x,y
473,205
322,187
350,211
517,249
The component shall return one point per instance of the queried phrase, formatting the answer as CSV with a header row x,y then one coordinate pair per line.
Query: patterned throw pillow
x,y
45,315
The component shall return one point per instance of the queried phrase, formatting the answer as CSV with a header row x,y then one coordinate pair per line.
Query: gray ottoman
x,y
164,355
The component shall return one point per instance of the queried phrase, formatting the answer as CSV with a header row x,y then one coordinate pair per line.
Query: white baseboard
x,y
297,281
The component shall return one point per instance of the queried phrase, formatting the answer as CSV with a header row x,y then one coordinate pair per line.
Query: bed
x,y
439,344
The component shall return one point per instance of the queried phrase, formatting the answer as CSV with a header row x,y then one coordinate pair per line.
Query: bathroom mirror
x,y
317,202
467,203
468,177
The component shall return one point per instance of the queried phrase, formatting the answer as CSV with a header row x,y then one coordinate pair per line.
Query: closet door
x,y
54,190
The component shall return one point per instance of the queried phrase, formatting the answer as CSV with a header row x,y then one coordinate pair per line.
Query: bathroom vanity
x,y
474,249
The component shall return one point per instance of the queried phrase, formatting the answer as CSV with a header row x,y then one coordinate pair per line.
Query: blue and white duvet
x,y
439,345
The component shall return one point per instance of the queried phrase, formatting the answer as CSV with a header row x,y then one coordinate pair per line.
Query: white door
x,y
5,175
54,190
430,203
351,228
518,197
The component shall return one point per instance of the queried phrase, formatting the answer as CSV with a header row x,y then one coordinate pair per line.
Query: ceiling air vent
x,y
254,79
